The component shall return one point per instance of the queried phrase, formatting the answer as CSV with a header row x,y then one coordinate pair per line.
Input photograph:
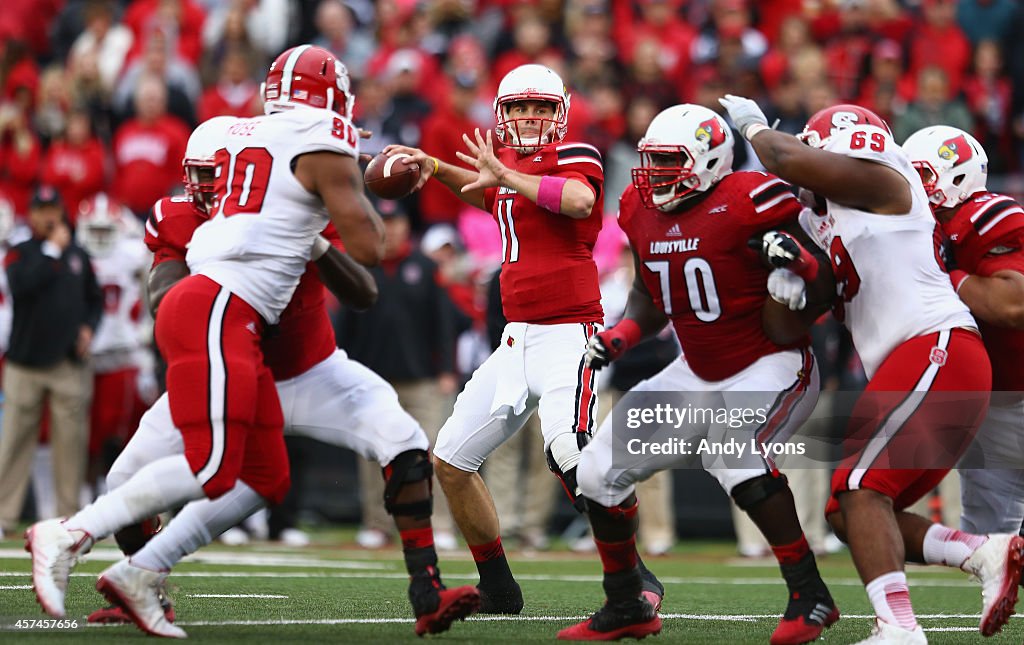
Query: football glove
x,y
605,347
745,115
784,252
787,288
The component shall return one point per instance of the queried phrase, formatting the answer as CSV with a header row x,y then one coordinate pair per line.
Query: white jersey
x,y
6,306
119,275
886,267
258,241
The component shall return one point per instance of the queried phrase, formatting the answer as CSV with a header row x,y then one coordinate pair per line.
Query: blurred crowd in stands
x,y
101,95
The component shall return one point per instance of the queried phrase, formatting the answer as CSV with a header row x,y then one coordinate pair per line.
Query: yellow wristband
x,y
436,166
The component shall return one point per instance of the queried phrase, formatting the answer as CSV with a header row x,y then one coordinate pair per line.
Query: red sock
x,y
617,556
417,538
489,551
793,552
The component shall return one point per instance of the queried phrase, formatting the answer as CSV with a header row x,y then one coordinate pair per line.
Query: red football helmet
x,y
308,75
827,122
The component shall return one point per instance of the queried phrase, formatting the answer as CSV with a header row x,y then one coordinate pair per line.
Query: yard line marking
x,y
672,580
235,595
223,558
533,619
14,587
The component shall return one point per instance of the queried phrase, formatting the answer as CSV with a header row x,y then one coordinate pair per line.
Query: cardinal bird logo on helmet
x,y
956,150
711,133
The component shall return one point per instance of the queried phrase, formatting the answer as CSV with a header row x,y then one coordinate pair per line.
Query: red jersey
x,y
699,270
987,232
147,159
303,337
548,275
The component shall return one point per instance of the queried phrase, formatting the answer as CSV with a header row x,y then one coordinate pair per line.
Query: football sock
x,y
418,549
949,547
891,599
198,524
492,564
799,567
157,487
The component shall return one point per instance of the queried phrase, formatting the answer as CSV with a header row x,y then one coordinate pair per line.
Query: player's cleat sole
x,y
455,604
806,627
115,615
585,632
997,564
506,601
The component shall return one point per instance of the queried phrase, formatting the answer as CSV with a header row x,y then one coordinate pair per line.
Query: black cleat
x,y
634,618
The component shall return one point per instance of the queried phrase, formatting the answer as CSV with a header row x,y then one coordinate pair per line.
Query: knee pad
x,y
408,467
563,457
752,492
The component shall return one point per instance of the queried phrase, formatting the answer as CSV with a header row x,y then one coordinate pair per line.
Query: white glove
x,y
745,114
787,288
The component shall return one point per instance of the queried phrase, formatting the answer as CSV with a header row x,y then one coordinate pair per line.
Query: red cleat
x,y
611,623
115,615
805,620
455,604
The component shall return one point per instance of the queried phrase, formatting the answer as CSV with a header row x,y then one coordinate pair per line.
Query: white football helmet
x,y
687,149
952,164
102,223
200,163
531,83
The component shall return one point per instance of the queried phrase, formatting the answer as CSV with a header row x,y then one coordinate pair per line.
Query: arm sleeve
x,y
93,294
28,270
773,204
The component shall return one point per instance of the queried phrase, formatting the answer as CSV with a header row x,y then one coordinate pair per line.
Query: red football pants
x,y
114,413
221,395
916,417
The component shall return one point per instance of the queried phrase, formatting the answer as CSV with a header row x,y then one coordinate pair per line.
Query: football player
x,y
545,194
985,232
280,178
918,343
122,366
689,219
324,395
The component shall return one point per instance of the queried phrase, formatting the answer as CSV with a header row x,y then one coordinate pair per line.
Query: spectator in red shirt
x,y
180,20
989,95
76,163
532,37
442,134
939,41
148,149
19,157
658,19
235,93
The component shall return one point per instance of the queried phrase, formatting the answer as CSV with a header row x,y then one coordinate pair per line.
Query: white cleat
x,y
55,550
137,591
997,565
888,634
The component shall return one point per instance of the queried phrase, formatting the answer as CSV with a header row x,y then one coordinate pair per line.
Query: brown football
x,y
389,177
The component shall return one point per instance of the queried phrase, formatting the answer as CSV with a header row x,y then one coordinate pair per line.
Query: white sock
x,y
196,526
950,547
157,487
891,599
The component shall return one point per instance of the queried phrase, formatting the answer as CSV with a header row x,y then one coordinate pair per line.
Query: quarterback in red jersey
x,y
985,232
689,220
325,396
546,196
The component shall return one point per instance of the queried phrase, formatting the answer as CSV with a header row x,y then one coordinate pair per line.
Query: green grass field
x,y
333,592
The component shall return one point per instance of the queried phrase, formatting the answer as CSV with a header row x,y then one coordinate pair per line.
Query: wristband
x,y
805,266
320,246
436,166
958,278
754,129
629,331
549,193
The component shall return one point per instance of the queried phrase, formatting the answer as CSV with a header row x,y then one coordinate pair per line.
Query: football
x,y
389,177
